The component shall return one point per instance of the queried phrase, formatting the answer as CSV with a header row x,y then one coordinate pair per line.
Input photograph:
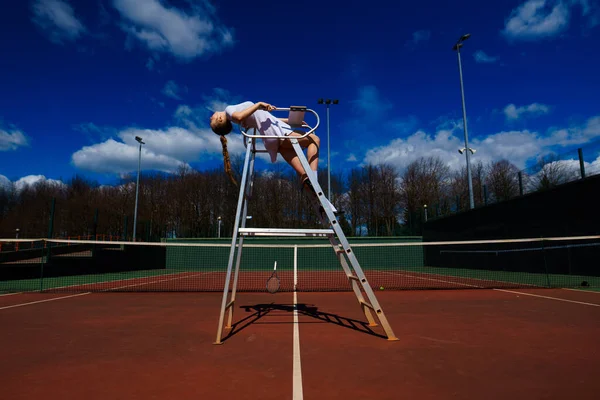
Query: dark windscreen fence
x,y
99,266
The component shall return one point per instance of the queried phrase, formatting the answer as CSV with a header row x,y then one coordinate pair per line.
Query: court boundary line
x,y
189,275
117,280
10,294
509,291
43,301
407,274
97,292
549,297
581,290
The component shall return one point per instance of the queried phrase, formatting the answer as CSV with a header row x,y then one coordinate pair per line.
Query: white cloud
x,y
174,142
401,152
5,183
592,168
56,17
173,90
592,128
30,180
11,140
512,112
117,157
518,147
481,57
163,28
165,150
577,134
538,19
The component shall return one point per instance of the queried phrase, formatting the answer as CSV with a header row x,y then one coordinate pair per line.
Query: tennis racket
x,y
273,281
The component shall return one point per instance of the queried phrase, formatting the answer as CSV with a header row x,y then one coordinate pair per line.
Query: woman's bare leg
x,y
291,157
311,143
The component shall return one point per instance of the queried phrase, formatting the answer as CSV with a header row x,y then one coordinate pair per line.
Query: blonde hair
x,y
226,160
222,130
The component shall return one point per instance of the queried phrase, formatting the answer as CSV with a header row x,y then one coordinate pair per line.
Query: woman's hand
x,y
265,106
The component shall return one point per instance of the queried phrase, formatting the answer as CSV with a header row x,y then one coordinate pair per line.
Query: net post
x,y
581,164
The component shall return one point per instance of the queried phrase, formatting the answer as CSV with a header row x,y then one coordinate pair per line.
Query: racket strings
x,y
273,284
273,281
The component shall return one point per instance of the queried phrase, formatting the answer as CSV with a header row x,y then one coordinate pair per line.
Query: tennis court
x,y
145,329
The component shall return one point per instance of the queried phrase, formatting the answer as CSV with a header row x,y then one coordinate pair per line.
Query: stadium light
x,y
456,48
137,187
328,102
461,151
219,230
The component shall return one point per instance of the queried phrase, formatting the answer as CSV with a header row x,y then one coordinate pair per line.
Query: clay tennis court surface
x,y
454,344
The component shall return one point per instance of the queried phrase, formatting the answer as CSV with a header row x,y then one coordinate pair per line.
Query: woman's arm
x,y
239,116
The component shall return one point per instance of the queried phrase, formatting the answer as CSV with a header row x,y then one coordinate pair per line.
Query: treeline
x,y
377,200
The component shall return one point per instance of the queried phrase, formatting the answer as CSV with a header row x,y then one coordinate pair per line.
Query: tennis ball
x,y
380,287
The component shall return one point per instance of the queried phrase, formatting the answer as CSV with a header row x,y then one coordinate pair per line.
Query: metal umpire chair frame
x,y
335,234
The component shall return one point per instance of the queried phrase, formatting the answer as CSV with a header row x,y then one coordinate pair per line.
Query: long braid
x,y
226,160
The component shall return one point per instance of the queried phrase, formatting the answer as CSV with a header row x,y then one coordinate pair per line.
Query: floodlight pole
x,y
457,47
137,186
328,102
219,229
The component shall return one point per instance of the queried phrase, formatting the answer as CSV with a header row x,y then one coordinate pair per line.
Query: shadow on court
x,y
260,311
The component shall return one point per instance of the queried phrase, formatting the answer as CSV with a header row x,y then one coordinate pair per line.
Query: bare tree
x,y
356,204
551,171
458,193
388,198
424,182
502,180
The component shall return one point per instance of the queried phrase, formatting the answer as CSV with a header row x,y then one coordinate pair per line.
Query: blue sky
x,y
80,79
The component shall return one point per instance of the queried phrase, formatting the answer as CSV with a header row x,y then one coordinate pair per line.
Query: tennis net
x,y
53,265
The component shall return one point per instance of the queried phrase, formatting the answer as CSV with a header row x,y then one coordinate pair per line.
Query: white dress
x,y
265,123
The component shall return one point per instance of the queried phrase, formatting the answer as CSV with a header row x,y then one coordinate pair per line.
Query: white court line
x,y
82,285
10,294
548,297
158,281
297,370
432,279
43,301
86,293
581,290
506,291
406,273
